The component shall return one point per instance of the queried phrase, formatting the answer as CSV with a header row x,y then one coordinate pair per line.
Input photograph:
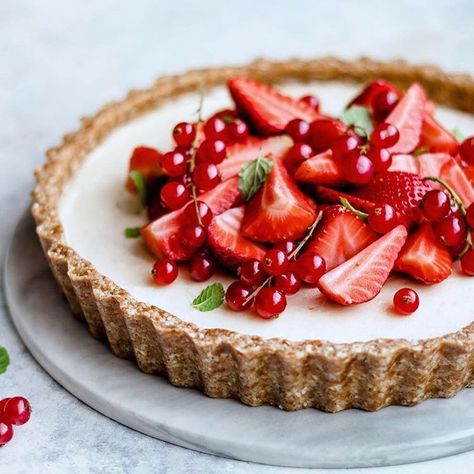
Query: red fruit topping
x,y
6,433
406,301
332,196
312,101
435,138
206,176
184,134
164,272
455,176
187,151
381,158
430,164
288,283
202,267
286,245
345,146
384,102
296,155
211,151
275,262
174,163
237,294
401,162
252,272
358,169
3,402
237,131
270,302
452,231
193,236
268,110
201,209
215,129
470,216
467,263
370,92
309,267
16,411
240,154
424,258
407,117
228,243
148,162
324,132
436,205
466,150
298,130
321,169
361,278
385,135
279,210
382,218
340,236
174,195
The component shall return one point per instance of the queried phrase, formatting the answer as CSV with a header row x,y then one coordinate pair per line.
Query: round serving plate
x,y
185,417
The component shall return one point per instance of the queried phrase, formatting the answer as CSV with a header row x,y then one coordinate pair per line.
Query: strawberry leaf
x,y
458,135
132,232
358,118
210,298
139,182
4,360
253,175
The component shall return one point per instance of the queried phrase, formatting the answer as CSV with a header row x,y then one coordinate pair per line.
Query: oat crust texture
x,y
225,364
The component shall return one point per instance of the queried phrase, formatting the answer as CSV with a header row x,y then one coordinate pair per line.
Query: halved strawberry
x,y
435,138
431,164
424,257
367,96
227,242
361,278
240,154
469,172
455,176
403,162
147,161
340,236
320,169
267,109
161,235
407,116
332,196
279,210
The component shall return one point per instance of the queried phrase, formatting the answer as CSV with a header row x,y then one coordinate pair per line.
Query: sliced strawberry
x,y
161,235
469,172
240,154
267,109
455,176
403,191
320,169
435,138
407,116
227,242
147,161
406,163
340,236
432,163
332,196
424,257
361,278
279,210
367,96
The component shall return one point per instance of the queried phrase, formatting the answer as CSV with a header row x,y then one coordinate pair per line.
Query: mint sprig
x,y
4,360
210,298
139,182
253,175
358,118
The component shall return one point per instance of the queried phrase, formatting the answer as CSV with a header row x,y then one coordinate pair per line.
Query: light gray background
x,y
60,60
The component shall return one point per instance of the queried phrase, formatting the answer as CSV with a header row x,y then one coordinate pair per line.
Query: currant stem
x,y
350,207
468,244
451,191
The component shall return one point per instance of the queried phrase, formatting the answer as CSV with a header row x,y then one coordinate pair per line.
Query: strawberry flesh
x,y
320,169
332,196
406,163
435,138
430,164
455,176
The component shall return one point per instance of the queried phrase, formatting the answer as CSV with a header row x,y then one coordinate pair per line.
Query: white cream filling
x,y
95,210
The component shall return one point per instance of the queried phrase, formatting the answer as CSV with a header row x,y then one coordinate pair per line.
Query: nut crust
x,y
222,363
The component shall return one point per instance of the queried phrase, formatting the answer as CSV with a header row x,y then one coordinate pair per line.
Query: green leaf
x,y
4,360
458,135
253,175
132,232
210,298
139,182
358,118
420,151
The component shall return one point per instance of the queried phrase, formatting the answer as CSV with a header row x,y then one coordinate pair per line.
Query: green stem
x,y
350,207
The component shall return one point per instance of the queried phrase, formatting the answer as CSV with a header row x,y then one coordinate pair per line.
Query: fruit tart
x,y
296,234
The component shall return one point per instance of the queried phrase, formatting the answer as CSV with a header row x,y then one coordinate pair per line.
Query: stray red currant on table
x,y
6,433
211,151
16,411
237,294
345,146
164,272
270,302
470,216
406,301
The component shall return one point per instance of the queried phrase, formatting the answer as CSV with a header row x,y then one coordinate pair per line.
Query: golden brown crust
x,y
222,363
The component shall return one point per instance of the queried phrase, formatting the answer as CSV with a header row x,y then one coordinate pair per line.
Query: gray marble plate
x,y
149,404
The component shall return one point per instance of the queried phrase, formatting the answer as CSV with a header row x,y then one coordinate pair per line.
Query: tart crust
x,y
225,364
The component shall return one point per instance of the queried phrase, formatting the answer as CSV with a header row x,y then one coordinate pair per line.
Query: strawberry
x,y
340,236
406,163
403,191
279,210
407,116
332,196
320,169
147,161
435,138
431,163
161,235
455,176
469,172
424,257
367,96
227,242
361,278
267,109
240,154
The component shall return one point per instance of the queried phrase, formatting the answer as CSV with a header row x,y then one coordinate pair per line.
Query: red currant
x,y
174,195
174,163
193,236
466,150
312,101
470,216
323,133
211,151
345,146
286,245
237,295
215,128
358,169
16,411
451,231
467,263
382,218
270,302
310,267
6,433
385,135
202,267
298,153
298,130
252,272
184,134
164,271
406,301
275,262
187,151
288,283
237,131
192,210
227,115
384,102
381,158
436,205
206,176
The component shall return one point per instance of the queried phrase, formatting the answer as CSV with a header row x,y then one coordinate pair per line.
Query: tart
x,y
340,343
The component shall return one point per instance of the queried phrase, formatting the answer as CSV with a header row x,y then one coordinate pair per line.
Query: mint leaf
x,y
4,360
420,151
458,135
132,232
253,175
210,298
139,182
358,118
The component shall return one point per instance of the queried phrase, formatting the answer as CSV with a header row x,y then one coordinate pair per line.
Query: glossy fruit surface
x,y
164,271
298,130
466,150
211,151
384,102
406,301
436,204
201,209
206,176
345,146
174,164
252,272
309,268
470,216
237,294
193,236
312,101
174,195
322,134
16,411
382,218
451,231
275,262
358,169
184,134
384,135
215,128
6,433
270,302
381,158
288,283
467,263
202,267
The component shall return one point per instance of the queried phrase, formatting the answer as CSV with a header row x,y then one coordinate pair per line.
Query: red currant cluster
x,y
13,411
